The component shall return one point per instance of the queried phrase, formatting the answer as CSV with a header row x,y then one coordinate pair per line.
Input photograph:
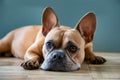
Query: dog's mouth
x,y
58,60
54,66
61,66
58,67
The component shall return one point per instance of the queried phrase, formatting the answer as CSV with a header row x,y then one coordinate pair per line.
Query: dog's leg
x,y
90,57
33,56
5,44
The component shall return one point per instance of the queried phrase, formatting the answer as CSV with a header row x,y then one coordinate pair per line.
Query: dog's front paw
x,y
97,60
31,64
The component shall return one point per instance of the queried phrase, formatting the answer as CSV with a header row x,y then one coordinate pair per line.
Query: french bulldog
x,y
51,46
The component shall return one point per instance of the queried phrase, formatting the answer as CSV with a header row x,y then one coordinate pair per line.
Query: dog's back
x,y
18,40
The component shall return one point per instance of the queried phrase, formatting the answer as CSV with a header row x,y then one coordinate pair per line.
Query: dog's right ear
x,y
49,20
86,26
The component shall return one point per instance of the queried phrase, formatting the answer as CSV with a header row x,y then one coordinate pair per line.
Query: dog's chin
x,y
58,67
54,68
64,69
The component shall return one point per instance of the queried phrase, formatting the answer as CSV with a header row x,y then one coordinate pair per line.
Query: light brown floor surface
x,y
10,70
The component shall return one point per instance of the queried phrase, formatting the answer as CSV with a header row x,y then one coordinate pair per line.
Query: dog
x,y
51,46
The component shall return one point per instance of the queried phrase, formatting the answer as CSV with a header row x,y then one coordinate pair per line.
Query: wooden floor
x,y
10,70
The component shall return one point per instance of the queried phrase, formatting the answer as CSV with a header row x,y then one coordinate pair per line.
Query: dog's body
x,y
63,48
18,40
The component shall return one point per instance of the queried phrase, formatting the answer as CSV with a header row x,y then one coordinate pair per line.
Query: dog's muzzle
x,y
57,60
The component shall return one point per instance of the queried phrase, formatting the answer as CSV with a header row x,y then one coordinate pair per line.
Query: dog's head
x,y
63,48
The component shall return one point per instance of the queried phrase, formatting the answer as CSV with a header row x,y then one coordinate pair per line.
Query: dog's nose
x,y
58,56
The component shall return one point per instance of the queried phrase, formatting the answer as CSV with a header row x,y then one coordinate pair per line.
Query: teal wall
x,y
16,13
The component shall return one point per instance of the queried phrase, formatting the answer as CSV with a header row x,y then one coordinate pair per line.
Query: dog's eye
x,y
49,45
72,48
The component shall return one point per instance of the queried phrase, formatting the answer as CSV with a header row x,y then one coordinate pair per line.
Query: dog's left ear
x,y
87,26
49,20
